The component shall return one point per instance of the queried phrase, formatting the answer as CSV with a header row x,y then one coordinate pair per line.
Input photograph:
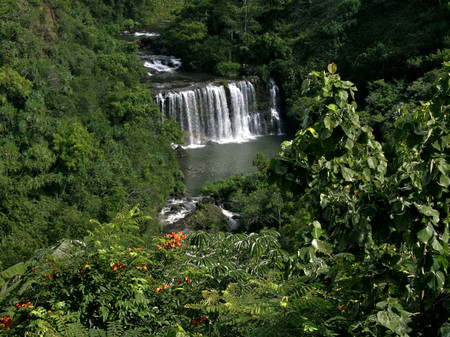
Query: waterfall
x,y
215,113
160,63
277,127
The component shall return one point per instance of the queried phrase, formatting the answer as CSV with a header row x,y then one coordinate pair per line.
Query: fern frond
x,y
114,329
76,330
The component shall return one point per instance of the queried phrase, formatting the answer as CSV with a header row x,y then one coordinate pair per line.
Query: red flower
x,y
203,319
178,282
194,322
187,280
5,322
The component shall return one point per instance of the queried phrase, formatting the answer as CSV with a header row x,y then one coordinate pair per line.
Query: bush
x,y
227,68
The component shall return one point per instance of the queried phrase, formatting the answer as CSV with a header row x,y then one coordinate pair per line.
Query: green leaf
x,y
17,269
372,162
445,330
388,319
347,173
327,122
437,246
428,211
332,107
332,68
349,144
425,234
444,180
440,279
343,95
281,169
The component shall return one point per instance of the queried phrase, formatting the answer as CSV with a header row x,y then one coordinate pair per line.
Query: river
x,y
219,161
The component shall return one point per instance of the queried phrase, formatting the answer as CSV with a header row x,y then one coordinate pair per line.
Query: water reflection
x,y
219,161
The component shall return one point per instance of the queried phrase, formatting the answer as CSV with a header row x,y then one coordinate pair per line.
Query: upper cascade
x,y
218,113
160,63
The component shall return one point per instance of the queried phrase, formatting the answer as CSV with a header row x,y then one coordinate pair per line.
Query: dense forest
x,y
345,233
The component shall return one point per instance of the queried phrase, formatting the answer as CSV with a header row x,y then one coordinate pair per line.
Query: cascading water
x,y
277,127
215,113
160,63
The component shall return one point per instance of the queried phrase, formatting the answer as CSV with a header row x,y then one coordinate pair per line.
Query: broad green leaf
x,y
317,232
444,180
440,279
428,211
442,259
347,173
437,246
372,162
327,122
436,280
313,132
388,319
425,234
343,95
332,68
17,269
349,144
332,107
281,169
354,118
445,330
346,84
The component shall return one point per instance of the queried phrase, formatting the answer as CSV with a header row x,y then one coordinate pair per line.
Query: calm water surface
x,y
219,161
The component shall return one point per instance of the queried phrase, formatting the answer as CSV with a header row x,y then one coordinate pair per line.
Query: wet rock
x,y
205,217
180,150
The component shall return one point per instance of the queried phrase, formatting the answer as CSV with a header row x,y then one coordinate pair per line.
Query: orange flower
x,y
158,247
158,289
166,286
5,322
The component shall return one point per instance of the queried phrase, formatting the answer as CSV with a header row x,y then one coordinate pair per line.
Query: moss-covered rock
x,y
206,216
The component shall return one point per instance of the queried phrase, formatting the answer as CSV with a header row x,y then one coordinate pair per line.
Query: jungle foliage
x,y
378,45
80,136
366,252
345,233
